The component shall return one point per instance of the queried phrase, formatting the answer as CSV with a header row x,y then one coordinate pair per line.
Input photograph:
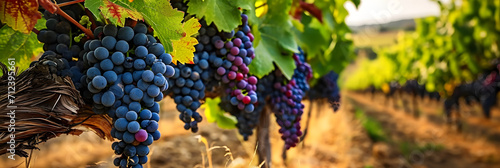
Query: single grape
x,y
141,136
108,99
110,30
110,76
99,82
140,39
101,53
106,65
118,58
136,94
109,42
148,76
140,28
125,33
122,46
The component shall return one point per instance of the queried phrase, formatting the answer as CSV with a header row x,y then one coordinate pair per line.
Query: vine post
x,y
263,141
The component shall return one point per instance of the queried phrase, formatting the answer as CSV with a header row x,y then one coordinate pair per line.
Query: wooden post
x,y
263,141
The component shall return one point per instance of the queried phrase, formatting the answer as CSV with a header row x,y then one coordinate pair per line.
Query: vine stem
x,y
53,8
307,122
69,18
263,141
260,6
70,3
36,31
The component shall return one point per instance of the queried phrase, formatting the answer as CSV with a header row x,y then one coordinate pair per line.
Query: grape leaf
x,y
267,52
215,114
277,24
356,3
93,6
117,14
275,35
225,14
20,15
250,11
166,21
22,47
312,38
185,46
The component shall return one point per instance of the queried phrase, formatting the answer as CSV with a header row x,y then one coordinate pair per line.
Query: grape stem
x,y
69,18
70,3
36,31
53,8
307,122
260,6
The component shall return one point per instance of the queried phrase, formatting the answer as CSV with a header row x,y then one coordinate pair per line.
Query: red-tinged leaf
x,y
117,14
48,5
313,10
21,15
184,47
296,11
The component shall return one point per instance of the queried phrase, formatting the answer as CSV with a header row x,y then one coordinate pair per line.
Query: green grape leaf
x,y
250,12
267,52
277,25
263,62
225,14
312,39
166,21
214,113
93,6
19,46
340,56
356,3
274,37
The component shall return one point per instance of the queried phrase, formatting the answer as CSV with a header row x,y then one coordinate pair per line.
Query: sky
x,y
383,11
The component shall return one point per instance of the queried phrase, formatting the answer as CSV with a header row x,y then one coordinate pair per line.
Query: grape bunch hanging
x,y
139,80
286,98
220,64
327,88
123,73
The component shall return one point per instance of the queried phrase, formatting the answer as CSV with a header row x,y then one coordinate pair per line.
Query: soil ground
x,y
366,132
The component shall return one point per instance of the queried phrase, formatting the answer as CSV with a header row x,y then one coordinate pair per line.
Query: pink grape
x,y
141,135
235,50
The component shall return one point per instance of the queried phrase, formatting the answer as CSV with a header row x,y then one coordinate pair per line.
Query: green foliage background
x,y
453,48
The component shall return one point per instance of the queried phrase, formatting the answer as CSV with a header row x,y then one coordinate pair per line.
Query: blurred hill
x,y
406,25
368,38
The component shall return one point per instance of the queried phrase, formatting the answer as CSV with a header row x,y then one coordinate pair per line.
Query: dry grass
x,y
334,140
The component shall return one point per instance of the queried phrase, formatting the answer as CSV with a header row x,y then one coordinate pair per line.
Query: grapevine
x,y
121,58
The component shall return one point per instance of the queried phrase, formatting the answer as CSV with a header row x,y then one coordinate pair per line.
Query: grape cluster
x,y
180,5
240,95
303,72
327,87
288,109
61,50
188,86
128,71
187,90
286,100
221,60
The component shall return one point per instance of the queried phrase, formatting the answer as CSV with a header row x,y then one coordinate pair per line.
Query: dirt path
x,y
334,140
460,150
